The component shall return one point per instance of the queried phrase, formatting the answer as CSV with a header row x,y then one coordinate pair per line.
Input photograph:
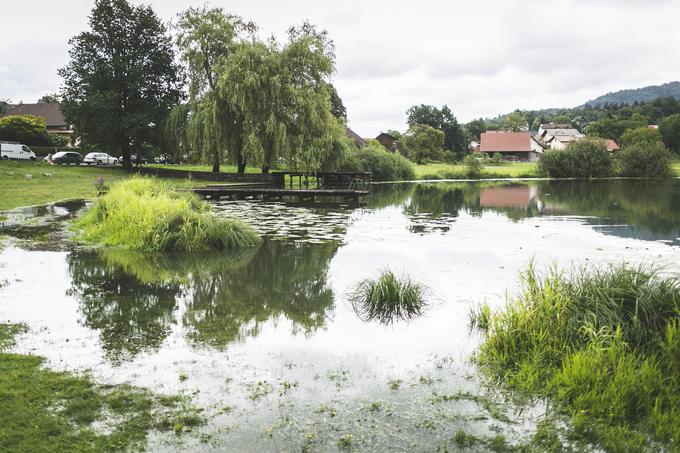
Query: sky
x,y
482,58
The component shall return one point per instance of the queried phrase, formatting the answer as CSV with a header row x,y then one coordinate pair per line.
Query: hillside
x,y
649,93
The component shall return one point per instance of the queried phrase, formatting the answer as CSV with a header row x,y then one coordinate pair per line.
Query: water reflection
x,y
130,298
131,314
637,209
283,279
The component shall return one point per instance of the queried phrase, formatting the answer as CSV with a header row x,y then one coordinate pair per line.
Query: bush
x,y
645,160
641,135
585,158
497,158
384,165
146,214
473,166
26,129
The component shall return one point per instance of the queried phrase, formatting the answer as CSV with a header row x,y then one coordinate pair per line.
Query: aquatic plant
x,y
146,214
388,298
603,343
480,317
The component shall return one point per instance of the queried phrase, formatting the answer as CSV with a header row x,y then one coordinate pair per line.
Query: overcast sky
x,y
481,57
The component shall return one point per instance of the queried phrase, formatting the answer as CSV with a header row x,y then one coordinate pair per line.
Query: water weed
x,y
388,298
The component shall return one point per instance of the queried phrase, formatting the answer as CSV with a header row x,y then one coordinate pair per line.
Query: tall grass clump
x,y
146,214
388,298
603,344
584,158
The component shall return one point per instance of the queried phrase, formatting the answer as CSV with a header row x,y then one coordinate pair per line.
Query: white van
x,y
16,151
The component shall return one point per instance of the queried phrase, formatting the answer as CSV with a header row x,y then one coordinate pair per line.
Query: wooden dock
x,y
214,192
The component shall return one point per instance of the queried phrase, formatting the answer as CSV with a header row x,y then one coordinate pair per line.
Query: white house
x,y
557,136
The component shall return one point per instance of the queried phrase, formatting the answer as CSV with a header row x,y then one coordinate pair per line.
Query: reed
x,y
603,344
388,298
146,214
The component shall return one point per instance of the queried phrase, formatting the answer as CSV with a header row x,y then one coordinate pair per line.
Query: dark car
x,y
67,157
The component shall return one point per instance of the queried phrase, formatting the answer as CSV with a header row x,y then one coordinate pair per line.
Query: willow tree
x,y
206,38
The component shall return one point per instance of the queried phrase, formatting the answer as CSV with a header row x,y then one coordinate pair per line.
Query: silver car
x,y
100,159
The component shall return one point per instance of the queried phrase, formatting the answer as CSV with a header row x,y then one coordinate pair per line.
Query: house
x,y
513,146
388,141
50,112
557,136
474,146
358,141
612,146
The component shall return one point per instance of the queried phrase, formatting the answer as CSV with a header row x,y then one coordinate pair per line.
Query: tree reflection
x,y
131,315
130,297
283,279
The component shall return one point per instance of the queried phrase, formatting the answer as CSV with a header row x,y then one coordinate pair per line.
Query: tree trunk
x,y
240,158
125,151
216,161
265,169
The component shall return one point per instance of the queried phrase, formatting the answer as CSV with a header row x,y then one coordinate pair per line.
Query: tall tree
x,y
207,37
49,98
475,128
441,119
515,122
121,80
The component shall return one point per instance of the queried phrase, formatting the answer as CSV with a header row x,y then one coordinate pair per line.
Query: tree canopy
x,y
122,79
442,119
257,101
422,142
670,131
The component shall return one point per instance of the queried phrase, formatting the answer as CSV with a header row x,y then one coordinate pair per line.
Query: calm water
x,y
267,340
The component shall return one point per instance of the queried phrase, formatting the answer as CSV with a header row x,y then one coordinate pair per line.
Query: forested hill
x,y
671,89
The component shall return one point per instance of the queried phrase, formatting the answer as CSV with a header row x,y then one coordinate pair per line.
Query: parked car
x,y
100,159
16,151
67,157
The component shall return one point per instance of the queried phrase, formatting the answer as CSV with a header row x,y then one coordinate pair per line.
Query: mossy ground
x,y
46,411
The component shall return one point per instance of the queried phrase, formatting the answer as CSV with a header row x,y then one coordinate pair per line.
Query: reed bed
x,y
603,345
146,214
388,298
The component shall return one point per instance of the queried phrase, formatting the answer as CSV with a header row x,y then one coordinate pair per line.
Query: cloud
x,y
482,58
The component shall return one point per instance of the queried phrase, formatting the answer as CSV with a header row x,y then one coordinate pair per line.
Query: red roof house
x,y
514,146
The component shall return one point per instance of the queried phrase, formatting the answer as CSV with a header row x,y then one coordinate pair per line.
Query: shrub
x,y
473,166
497,158
146,214
645,160
640,135
384,165
388,298
26,129
603,343
585,158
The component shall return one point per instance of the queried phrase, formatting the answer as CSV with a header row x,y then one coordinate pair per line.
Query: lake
x,y
266,340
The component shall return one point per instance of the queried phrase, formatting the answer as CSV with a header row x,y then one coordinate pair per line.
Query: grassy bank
x,y
603,345
147,214
44,411
457,171
50,183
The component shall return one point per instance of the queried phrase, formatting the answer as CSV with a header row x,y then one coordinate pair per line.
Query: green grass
x,y
147,214
45,411
206,168
456,171
388,298
65,182
603,345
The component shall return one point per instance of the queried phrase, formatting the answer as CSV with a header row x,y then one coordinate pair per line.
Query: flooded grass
x,y
44,410
603,344
147,214
389,298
